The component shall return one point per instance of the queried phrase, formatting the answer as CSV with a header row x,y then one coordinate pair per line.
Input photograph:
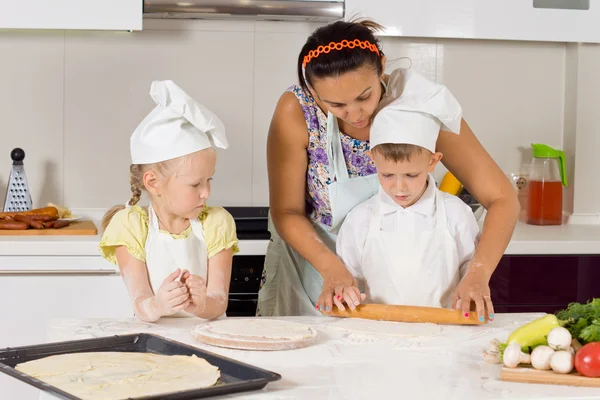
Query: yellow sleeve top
x,y
129,228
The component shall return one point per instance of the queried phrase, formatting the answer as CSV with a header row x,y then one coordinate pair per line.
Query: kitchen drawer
x,y
536,283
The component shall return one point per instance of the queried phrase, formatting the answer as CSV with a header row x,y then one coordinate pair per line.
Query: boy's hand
x,y
337,289
350,295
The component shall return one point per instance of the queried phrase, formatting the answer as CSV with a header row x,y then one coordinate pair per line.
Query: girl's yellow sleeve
x,y
129,228
219,231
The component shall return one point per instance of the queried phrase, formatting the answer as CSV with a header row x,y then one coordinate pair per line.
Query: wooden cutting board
x,y
531,375
77,228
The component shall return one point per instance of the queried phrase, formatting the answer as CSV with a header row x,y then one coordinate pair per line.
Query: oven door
x,y
246,272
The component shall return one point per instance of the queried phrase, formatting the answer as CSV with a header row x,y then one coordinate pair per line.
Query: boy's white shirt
x,y
461,224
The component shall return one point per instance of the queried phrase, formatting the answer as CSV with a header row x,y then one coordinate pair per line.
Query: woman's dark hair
x,y
338,62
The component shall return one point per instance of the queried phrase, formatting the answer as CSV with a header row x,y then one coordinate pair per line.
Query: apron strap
x,y
198,229
440,207
335,154
375,220
152,218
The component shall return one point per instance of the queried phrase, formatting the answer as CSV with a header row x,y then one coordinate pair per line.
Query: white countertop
x,y
84,246
560,239
527,239
353,365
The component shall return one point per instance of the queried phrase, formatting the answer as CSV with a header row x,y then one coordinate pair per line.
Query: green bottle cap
x,y
545,151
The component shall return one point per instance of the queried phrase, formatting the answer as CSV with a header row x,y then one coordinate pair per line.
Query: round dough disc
x,y
255,334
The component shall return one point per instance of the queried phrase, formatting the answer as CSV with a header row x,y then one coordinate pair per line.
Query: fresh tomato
x,y
587,360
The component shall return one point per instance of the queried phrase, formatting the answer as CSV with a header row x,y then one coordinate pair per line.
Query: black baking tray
x,y
235,376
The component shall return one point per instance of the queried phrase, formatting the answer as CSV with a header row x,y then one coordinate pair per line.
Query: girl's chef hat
x,y
414,111
177,126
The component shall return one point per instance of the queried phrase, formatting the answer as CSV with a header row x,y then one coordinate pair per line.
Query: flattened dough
x,y
116,376
387,328
258,328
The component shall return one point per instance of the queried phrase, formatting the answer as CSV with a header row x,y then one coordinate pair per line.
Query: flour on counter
x,y
385,328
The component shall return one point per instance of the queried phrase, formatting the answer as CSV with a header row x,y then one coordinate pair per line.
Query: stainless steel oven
x,y
252,232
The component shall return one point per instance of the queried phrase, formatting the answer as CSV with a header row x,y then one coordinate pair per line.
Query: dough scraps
x,y
117,375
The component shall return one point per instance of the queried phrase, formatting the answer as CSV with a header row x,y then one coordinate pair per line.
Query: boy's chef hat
x,y
417,108
177,126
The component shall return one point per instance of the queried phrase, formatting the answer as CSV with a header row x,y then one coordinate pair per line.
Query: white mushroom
x,y
562,362
571,350
491,355
559,338
494,345
540,357
513,356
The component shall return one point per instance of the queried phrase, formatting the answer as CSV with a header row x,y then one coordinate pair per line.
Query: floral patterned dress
x,y
318,176
318,208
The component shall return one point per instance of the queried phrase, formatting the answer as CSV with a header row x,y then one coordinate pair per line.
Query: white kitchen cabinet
x,y
49,288
530,20
71,14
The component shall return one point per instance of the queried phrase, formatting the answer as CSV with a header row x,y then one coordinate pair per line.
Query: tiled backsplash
x,y
72,99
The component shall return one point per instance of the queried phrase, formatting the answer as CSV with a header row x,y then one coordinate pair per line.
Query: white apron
x,y
292,285
402,268
164,254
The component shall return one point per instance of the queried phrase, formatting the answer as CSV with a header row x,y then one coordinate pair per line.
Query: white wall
x,y
72,99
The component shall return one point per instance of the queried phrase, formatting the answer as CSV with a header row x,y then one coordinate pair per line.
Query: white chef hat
x,y
417,113
177,126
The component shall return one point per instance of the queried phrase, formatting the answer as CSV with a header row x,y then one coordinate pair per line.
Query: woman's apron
x,y
292,285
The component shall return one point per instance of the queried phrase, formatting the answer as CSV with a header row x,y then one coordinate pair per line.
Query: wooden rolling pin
x,y
384,312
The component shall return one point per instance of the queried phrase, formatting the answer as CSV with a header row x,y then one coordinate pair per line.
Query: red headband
x,y
365,44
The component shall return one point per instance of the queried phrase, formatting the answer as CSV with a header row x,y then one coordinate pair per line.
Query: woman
x,y
317,177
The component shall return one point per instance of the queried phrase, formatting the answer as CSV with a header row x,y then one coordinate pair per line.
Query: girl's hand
x,y
474,288
172,295
197,288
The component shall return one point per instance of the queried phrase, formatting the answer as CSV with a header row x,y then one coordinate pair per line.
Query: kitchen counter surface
x,y
527,239
346,364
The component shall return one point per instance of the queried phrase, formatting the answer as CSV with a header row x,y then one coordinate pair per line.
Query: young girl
x,y
175,255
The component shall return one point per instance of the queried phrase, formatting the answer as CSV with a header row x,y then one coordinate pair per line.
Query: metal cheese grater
x,y
18,197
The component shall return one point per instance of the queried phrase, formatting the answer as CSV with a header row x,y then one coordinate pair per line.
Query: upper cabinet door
x,y
532,20
71,14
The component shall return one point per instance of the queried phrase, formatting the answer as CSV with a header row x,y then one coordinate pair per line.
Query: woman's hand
x,y
466,158
475,288
339,286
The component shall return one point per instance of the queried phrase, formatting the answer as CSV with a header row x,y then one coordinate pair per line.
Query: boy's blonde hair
x,y
136,183
398,152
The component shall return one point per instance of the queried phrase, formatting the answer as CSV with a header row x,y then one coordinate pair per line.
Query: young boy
x,y
410,243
